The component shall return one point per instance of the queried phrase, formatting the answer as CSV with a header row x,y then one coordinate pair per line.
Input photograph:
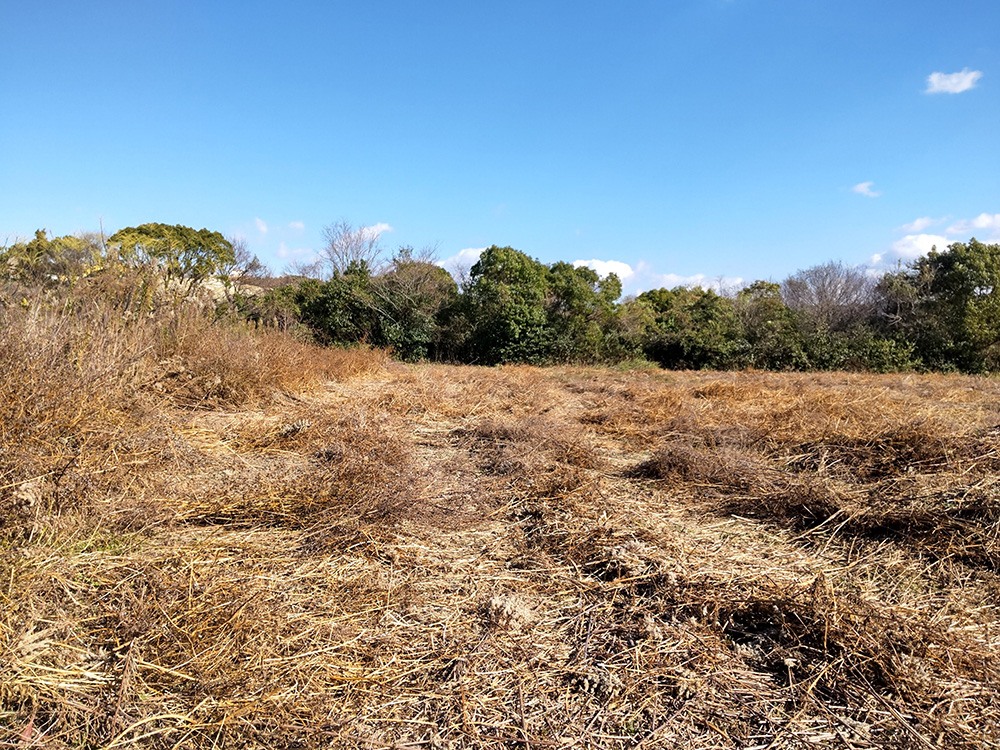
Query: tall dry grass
x,y
95,404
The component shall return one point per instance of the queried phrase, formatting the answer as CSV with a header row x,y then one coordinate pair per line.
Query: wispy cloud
x,y
295,254
865,188
261,225
952,83
918,225
603,267
298,226
989,223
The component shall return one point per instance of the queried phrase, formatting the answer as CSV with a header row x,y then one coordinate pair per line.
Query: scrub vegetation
x,y
216,533
940,313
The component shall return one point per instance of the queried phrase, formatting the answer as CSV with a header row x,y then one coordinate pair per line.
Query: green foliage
x,y
581,310
948,305
507,304
964,301
770,332
46,262
693,328
942,312
342,310
627,331
874,353
413,297
178,253
277,308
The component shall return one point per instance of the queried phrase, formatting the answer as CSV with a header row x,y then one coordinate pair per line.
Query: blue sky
x,y
689,139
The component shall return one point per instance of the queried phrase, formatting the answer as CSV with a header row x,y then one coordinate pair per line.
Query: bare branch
x,y
832,295
347,247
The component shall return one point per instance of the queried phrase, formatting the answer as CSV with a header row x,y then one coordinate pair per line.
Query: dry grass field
x,y
386,556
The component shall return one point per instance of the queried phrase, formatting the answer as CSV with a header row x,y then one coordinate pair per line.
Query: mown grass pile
x,y
340,553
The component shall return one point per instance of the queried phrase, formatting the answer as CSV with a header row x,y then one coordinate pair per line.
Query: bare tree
x,y
246,265
245,269
831,296
347,247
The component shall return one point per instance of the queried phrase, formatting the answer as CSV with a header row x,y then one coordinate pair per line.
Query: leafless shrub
x,y
347,246
831,296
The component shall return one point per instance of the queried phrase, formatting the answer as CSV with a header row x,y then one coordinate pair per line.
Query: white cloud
x,y
645,279
261,225
952,83
988,222
910,247
716,283
462,259
916,243
865,188
604,267
906,249
376,230
876,268
918,225
298,226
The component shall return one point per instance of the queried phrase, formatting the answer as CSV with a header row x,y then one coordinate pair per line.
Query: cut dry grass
x,y
461,557
873,462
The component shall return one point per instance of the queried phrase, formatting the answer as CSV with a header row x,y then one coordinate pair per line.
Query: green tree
x,y
949,302
49,262
628,330
693,328
175,253
506,307
581,309
414,297
769,329
341,310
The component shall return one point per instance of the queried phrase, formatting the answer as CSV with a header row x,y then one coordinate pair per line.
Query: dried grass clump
x,y
750,638
684,461
331,469
181,645
69,410
538,465
96,470
506,448
508,612
201,363
871,463
80,385
638,412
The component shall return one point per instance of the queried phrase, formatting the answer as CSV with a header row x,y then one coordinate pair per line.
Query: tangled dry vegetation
x,y
446,557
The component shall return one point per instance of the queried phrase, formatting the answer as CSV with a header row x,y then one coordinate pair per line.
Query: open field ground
x,y
449,557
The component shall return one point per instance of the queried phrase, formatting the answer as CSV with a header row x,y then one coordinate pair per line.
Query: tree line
x,y
940,312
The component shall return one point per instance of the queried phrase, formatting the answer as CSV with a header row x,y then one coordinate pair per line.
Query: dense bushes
x,y
941,313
